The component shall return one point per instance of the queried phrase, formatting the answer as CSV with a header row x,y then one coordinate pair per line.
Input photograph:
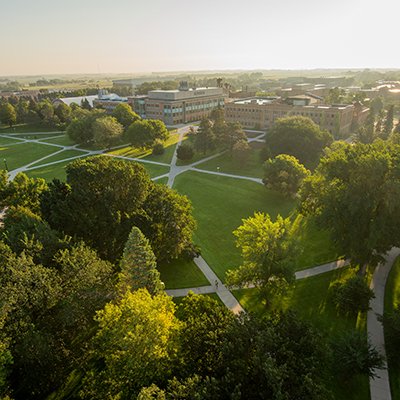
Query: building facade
x,y
261,113
183,105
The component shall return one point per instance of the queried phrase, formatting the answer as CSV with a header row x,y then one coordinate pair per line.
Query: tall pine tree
x,y
138,265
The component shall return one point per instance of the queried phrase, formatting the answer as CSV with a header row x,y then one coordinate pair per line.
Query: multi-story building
x,y
183,105
261,113
108,101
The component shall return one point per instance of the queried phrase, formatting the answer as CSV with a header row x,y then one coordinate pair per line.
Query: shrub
x,y
185,152
353,295
158,149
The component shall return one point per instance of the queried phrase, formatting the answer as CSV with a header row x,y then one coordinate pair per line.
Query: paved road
x,y
380,386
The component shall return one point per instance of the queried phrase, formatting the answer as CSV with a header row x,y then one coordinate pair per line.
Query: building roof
x,y
78,100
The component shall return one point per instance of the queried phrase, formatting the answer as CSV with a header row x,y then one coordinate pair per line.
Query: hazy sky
x,y
101,36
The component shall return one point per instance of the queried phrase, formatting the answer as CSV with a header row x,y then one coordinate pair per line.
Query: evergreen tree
x,y
205,137
138,265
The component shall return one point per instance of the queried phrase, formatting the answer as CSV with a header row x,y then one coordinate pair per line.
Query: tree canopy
x,y
299,137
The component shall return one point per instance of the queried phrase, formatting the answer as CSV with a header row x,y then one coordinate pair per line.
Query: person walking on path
x,y
216,285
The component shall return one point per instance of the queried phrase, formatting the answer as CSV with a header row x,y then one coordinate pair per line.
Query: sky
x,y
41,37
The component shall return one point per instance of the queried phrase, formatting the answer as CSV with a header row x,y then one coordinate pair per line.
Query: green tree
x,y
185,152
354,355
284,174
143,133
99,202
21,191
80,130
168,222
353,194
353,295
138,265
299,137
241,152
8,116
232,133
106,131
125,115
134,346
63,112
388,123
205,138
205,323
268,250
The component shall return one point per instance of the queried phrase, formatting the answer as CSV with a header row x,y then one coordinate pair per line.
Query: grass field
x,y
225,163
310,299
154,169
60,156
55,171
7,140
133,152
392,300
219,205
22,154
62,140
182,274
23,128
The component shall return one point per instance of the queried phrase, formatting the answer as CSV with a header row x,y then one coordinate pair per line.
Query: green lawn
x,y
162,181
23,154
224,163
8,140
392,300
315,245
134,152
310,299
23,128
55,171
154,169
63,140
61,156
219,205
182,274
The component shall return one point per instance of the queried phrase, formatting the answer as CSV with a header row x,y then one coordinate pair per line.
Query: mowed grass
x,y
226,163
219,205
310,299
8,140
63,155
154,169
182,274
23,154
24,128
392,300
133,152
63,140
50,172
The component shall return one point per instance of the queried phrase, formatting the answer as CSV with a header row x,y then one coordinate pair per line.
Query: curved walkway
x,y
380,386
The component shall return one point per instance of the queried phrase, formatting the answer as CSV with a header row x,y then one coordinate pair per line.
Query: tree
x,y
21,191
205,323
353,296
231,134
354,355
388,123
205,138
279,357
185,152
268,249
158,149
63,112
106,131
138,265
99,202
284,174
299,137
391,323
133,347
125,115
241,152
376,105
143,133
8,116
353,194
168,222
